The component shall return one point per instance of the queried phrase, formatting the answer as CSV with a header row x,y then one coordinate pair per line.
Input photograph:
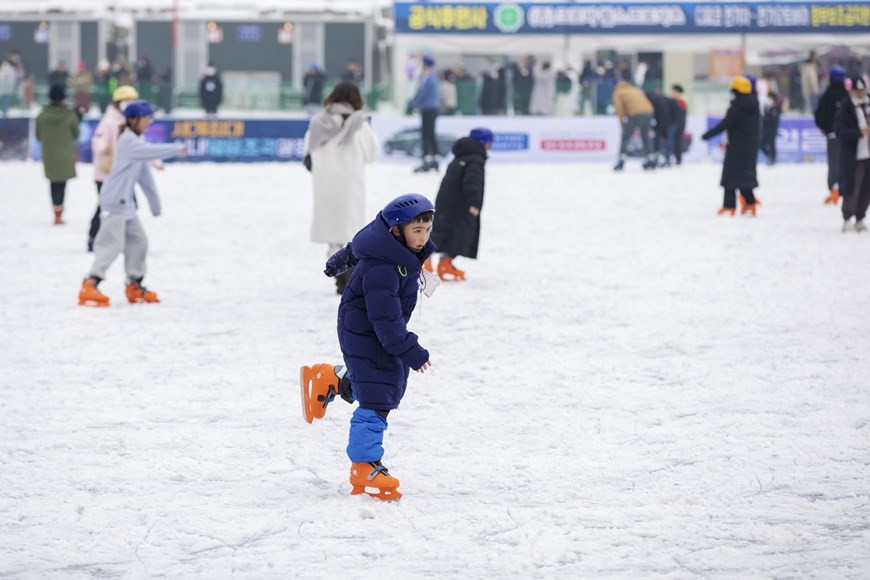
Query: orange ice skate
x,y
448,272
427,265
373,479
749,208
727,210
138,294
90,296
320,384
833,197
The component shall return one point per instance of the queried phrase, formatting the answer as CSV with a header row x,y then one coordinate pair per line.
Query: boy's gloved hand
x,y
340,262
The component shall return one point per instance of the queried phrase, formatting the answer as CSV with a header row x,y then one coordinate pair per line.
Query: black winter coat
x,y
211,91
743,124
661,112
833,95
848,134
456,232
678,115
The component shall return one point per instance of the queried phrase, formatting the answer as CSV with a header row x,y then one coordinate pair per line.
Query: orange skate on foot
x,y
448,272
833,197
320,384
138,294
90,296
58,215
749,208
373,479
727,210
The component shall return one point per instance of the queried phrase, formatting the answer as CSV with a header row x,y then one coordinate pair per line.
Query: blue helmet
x,y
138,108
481,135
405,208
837,73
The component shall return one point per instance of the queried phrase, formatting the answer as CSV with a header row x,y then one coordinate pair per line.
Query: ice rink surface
x,y
627,386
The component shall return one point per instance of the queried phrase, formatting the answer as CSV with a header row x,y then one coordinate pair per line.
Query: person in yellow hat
x,y
742,126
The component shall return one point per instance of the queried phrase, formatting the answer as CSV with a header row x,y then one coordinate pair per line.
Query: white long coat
x,y
339,185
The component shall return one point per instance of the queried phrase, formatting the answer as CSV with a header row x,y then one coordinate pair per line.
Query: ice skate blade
x,y
142,301
386,494
93,303
305,376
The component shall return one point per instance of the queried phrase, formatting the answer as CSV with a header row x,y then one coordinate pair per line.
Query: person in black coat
x,y
312,98
662,129
852,126
456,230
770,127
678,126
742,123
211,90
824,115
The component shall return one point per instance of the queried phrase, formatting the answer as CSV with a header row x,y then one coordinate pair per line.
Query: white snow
x,y
626,386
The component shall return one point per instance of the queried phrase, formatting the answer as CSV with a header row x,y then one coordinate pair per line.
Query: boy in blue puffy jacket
x,y
379,351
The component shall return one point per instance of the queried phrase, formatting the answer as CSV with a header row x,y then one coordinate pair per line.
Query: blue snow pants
x,y
366,440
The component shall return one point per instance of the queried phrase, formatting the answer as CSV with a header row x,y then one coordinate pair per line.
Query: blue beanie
x,y
428,61
481,135
752,80
837,73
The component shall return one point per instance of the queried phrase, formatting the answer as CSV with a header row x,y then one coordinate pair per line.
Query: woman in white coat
x,y
340,142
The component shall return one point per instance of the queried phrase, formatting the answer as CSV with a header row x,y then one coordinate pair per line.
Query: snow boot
x,y
727,210
58,215
368,477
138,294
833,197
90,296
448,272
319,384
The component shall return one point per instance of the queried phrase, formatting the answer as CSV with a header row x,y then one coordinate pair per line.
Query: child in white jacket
x,y
120,229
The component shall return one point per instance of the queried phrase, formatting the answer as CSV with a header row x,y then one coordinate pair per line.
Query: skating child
x,y
378,349
120,229
459,201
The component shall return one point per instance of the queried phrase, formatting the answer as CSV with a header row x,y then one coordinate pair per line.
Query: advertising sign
x,y
576,18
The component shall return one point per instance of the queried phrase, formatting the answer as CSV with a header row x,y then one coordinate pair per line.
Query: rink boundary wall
x,y
517,139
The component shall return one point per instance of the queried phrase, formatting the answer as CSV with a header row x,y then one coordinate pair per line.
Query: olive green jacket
x,y
57,127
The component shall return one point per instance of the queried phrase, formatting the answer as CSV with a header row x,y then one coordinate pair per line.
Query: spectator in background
x,y
101,85
523,83
145,78
312,83
605,82
448,93
211,90
10,78
427,100
770,126
795,98
352,72
81,83
57,128
565,98
493,91
586,81
164,92
543,97
59,76
810,83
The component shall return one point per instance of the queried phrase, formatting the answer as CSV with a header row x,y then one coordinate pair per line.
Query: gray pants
x,y
641,122
116,236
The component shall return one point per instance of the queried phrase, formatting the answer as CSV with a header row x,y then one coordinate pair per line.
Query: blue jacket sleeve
x,y
381,290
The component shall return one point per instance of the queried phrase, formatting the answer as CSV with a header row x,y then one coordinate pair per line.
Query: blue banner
x,y
561,18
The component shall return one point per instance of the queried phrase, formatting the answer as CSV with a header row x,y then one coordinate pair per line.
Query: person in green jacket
x,y
57,128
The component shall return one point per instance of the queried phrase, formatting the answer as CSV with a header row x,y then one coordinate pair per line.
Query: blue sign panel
x,y
561,18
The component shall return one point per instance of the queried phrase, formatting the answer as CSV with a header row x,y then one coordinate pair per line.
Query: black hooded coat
x,y
743,124
456,231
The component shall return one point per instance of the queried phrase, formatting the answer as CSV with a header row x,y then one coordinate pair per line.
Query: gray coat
x,y
129,168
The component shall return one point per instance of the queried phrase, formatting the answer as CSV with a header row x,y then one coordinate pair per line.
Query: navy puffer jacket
x,y
373,315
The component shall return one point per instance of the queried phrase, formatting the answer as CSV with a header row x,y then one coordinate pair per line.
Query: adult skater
x,y
378,349
428,101
340,142
635,113
456,232
834,94
741,124
57,128
120,230
852,126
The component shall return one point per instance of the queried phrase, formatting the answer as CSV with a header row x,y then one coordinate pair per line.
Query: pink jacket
x,y
105,140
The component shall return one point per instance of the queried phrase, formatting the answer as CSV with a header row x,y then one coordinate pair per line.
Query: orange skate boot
x,y
727,210
749,208
138,294
833,197
58,215
90,296
448,272
320,384
373,479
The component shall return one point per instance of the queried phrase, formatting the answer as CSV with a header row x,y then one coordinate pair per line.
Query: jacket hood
x,y
746,103
468,146
54,114
376,241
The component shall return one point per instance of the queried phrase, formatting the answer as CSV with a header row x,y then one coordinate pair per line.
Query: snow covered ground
x,y
626,386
